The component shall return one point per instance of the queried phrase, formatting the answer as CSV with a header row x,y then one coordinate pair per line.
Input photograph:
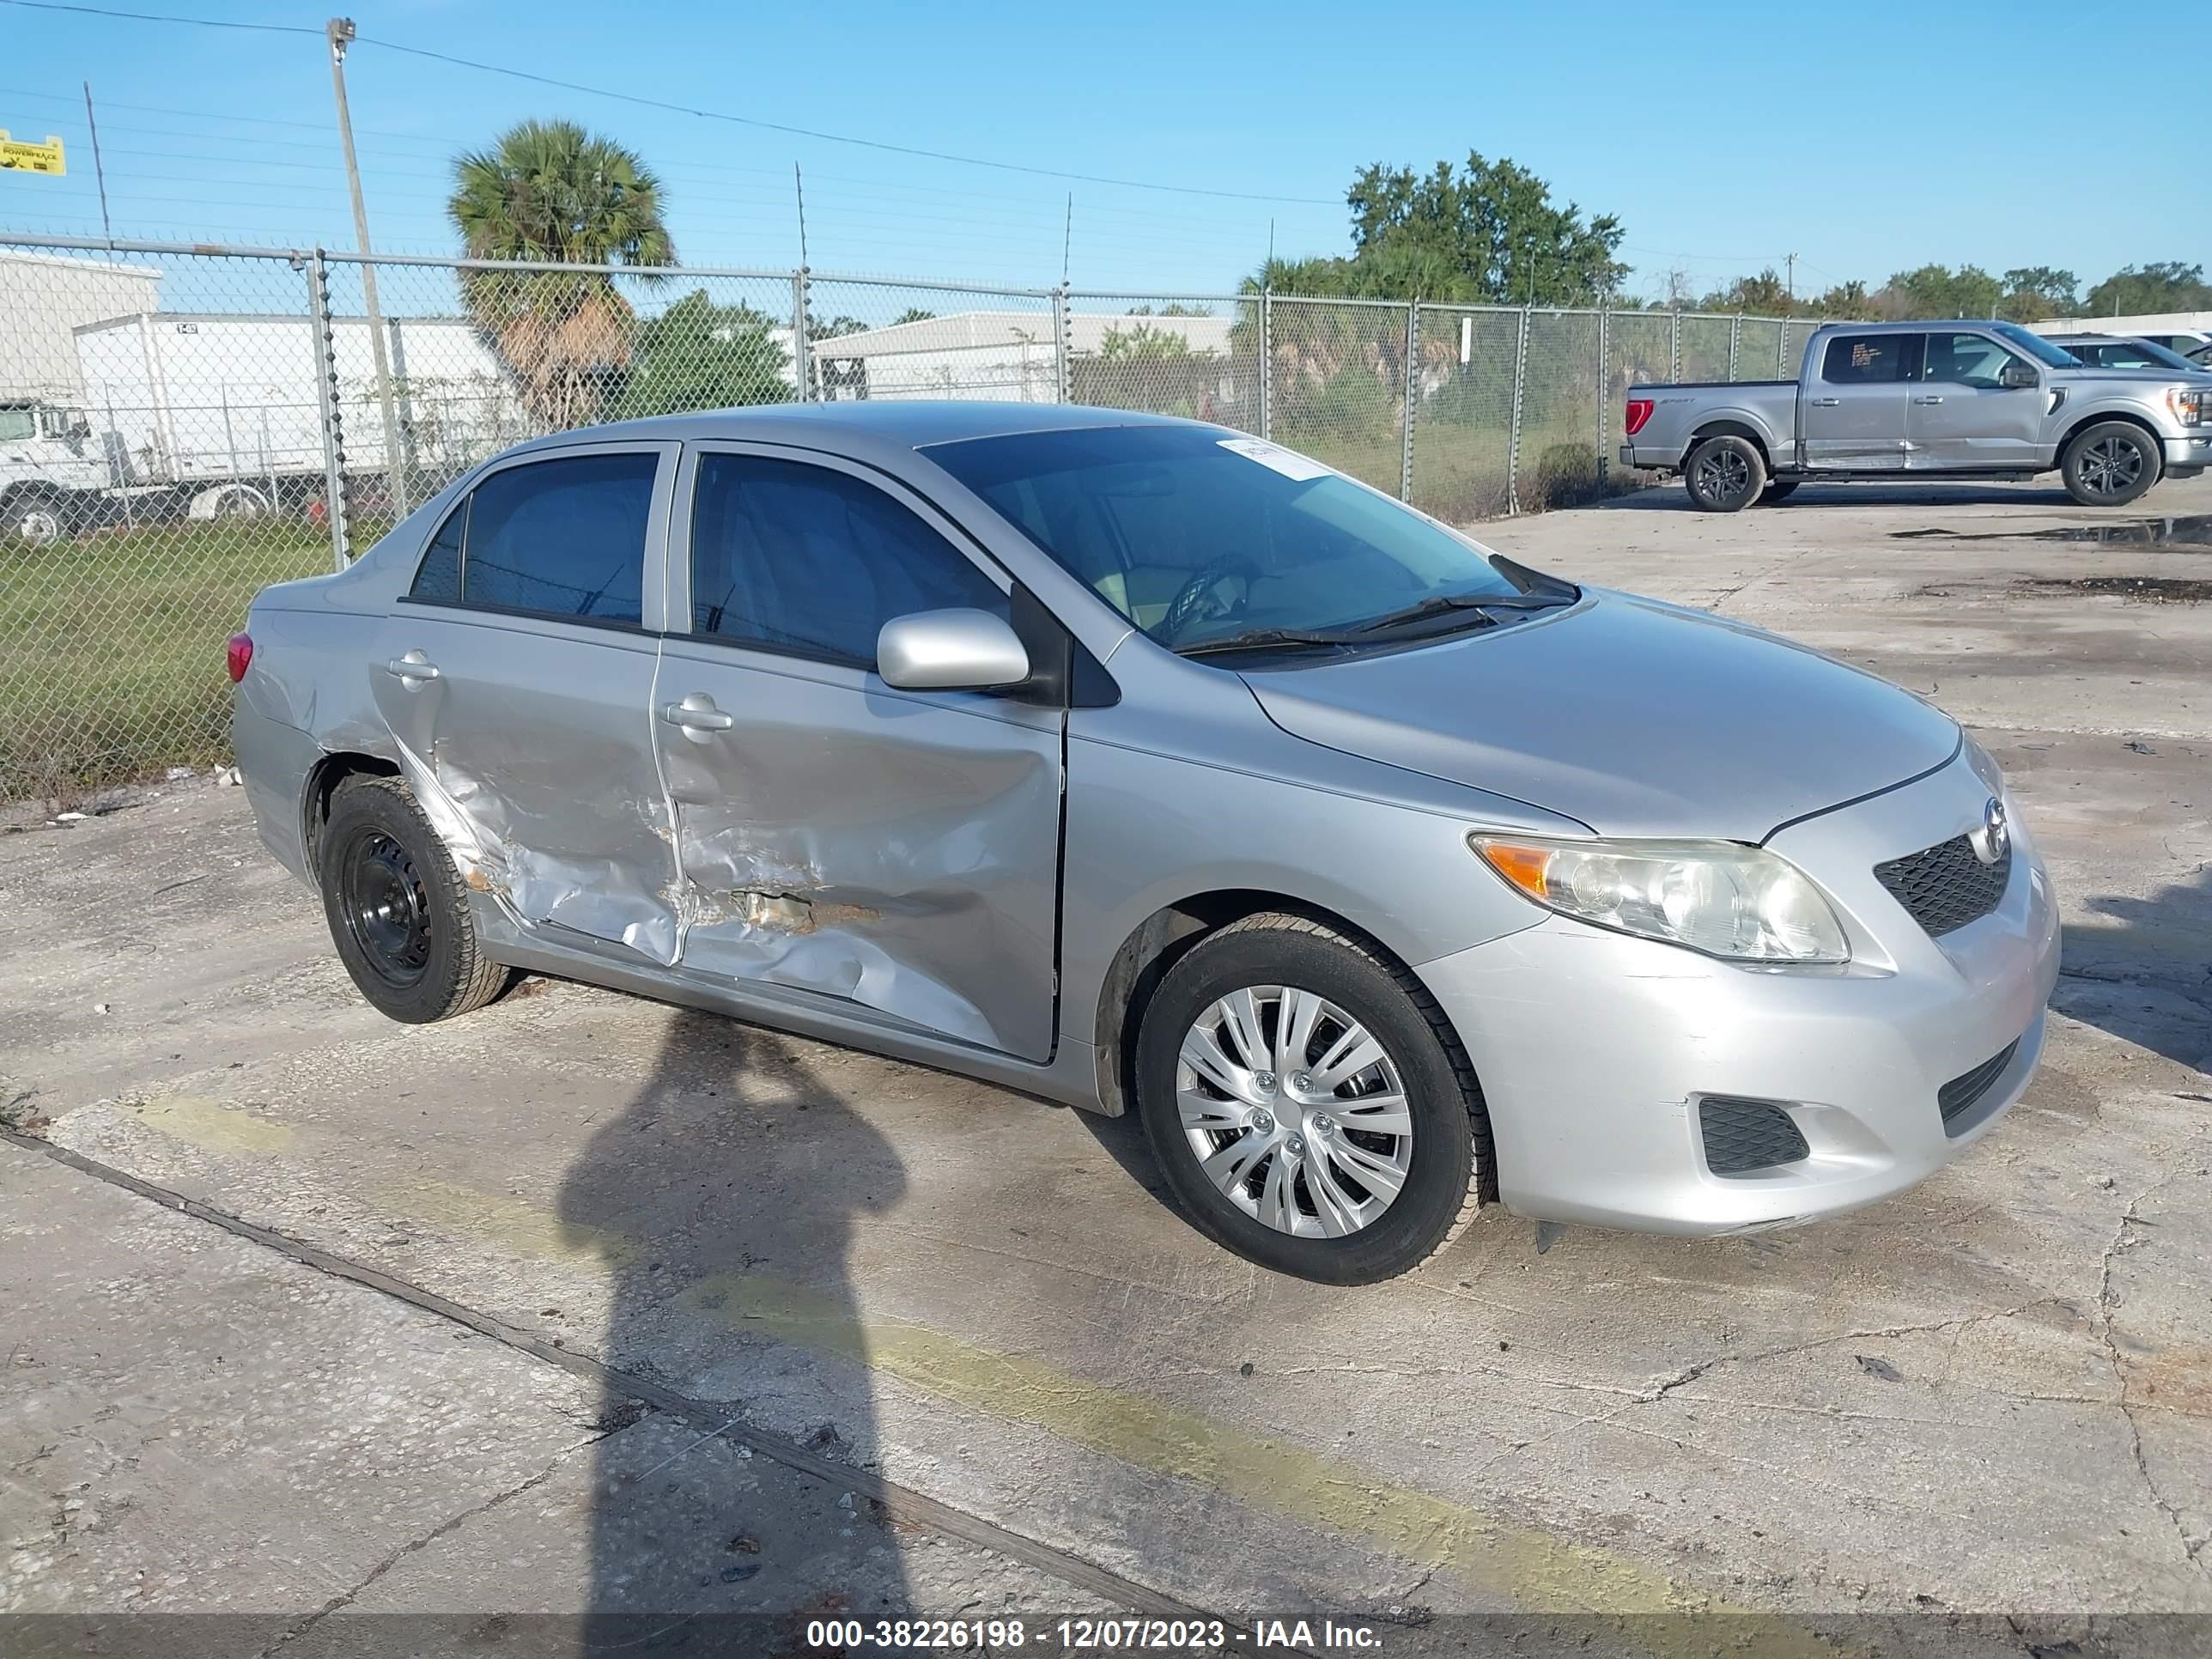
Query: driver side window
x,y
1973,360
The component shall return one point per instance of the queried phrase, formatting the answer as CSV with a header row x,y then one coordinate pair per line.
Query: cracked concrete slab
x,y
1991,1394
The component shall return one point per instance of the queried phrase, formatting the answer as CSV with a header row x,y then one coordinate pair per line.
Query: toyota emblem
x,y
1991,839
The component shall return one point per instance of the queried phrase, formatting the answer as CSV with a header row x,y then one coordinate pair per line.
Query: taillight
x,y
241,656
1639,411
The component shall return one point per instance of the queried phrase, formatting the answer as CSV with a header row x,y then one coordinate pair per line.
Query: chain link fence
x,y
181,425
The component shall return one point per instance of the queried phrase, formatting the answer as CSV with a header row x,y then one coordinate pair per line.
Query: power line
x,y
681,109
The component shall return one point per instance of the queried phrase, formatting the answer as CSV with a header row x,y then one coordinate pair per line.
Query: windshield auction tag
x,y
1276,458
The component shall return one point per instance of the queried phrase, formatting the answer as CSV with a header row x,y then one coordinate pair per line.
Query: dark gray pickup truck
x,y
1954,399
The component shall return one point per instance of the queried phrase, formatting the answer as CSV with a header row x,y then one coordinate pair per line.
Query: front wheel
x,y
1308,1103
38,519
2110,463
1725,474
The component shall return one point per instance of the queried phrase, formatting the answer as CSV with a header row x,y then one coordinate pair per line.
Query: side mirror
x,y
958,650
2016,377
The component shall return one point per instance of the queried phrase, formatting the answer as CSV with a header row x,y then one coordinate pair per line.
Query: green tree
x,y
2032,293
698,354
1142,342
1488,231
2137,290
552,191
1938,291
913,314
1848,299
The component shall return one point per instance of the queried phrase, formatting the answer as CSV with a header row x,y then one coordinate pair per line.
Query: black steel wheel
x,y
398,909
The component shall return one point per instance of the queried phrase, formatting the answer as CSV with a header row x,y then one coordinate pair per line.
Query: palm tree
x,y
551,191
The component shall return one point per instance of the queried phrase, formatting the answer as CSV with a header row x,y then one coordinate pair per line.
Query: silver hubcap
x,y
2111,466
40,527
1295,1111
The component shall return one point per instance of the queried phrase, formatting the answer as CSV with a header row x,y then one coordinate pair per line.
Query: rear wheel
x,y
2109,464
1724,474
1308,1103
398,911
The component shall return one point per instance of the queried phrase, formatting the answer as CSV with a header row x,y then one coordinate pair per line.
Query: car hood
x,y
1635,717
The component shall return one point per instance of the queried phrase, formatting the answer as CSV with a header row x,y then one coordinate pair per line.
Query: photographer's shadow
x,y
732,1180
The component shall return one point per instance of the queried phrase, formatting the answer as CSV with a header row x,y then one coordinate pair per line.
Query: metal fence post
x,y
1062,345
1604,387
1782,353
1673,345
802,364
1267,363
1513,436
1413,399
1735,341
325,352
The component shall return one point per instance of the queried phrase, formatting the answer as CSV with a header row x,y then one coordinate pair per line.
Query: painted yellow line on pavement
x,y
1536,1571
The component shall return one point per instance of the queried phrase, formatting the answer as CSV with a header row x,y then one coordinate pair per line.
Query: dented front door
x,y
897,850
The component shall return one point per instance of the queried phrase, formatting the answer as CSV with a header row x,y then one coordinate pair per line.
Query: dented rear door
x,y
899,851
517,675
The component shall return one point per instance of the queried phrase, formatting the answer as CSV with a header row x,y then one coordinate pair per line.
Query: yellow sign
x,y
32,158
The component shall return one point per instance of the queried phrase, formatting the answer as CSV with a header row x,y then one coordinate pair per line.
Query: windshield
x,y
2037,347
1194,534
16,424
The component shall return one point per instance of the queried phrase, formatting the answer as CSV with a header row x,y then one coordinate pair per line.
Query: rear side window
x,y
439,578
1866,359
812,562
560,538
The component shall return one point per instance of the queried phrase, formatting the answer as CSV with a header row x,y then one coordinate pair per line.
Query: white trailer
x,y
220,414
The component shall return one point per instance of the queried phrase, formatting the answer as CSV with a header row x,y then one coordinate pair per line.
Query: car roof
x,y
866,424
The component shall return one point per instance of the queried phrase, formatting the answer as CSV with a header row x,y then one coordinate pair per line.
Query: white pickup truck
x,y
1953,399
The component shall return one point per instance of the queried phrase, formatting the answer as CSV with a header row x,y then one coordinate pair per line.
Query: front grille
x,y
1745,1135
1945,886
1959,1096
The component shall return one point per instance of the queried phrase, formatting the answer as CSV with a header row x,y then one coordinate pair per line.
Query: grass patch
x,y
112,647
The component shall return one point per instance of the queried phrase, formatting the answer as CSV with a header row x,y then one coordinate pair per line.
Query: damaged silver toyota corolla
x,y
1132,762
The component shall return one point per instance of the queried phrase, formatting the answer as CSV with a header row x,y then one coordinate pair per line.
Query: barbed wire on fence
x,y
187,423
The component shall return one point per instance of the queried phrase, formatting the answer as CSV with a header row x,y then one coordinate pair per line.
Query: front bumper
x,y
1595,1050
2195,450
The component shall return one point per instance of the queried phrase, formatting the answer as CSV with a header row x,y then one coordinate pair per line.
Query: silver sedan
x,y
1141,765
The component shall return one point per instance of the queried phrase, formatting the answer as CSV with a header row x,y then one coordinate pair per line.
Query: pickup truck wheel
x,y
2109,464
1725,474
1309,1104
1780,491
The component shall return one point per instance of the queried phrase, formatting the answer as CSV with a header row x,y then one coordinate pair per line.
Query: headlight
x,y
2191,404
1739,903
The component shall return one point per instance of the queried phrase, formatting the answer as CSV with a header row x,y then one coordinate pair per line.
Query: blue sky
x,y
1724,137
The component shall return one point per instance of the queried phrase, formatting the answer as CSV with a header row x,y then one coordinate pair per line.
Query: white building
x,y
999,356
43,298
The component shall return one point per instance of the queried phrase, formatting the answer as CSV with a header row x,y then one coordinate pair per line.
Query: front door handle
x,y
1826,403
414,668
696,716
1927,400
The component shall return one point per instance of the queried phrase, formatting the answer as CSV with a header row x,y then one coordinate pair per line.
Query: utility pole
x,y
1790,260
99,170
339,31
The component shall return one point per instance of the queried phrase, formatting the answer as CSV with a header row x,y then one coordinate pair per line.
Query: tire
x,y
398,911
1724,474
37,518
1781,489
2110,463
1301,1145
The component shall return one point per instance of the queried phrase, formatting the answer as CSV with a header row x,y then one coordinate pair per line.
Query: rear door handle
x,y
696,715
1927,400
414,668
1826,403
